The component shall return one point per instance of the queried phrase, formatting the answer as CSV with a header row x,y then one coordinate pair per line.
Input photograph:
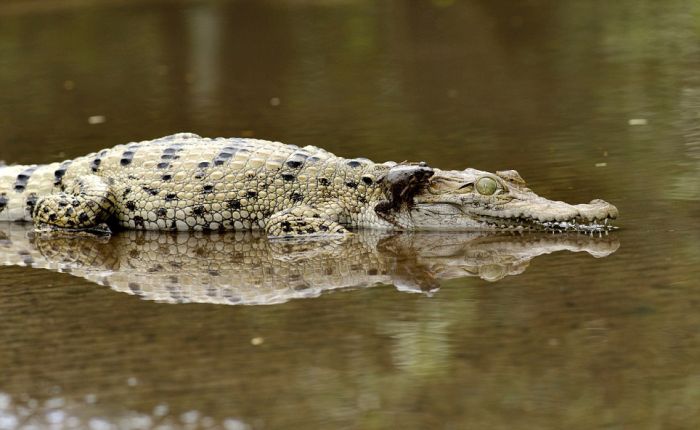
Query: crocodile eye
x,y
486,186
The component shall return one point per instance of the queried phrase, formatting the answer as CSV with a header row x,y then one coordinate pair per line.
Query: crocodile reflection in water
x,y
244,268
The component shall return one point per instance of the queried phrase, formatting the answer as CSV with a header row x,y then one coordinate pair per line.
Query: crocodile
x,y
185,182
247,268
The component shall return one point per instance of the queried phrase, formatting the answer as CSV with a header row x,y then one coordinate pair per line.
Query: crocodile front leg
x,y
302,221
85,205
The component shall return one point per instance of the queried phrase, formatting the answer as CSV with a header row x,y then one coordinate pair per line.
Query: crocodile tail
x,y
20,186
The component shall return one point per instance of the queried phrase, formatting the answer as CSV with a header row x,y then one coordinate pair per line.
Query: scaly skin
x,y
185,182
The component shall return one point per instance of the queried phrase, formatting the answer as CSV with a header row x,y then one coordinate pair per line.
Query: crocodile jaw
x,y
451,202
549,216
552,216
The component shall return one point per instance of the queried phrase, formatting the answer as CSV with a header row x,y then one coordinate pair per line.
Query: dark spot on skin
x,y
173,279
354,163
198,210
132,177
83,217
219,162
45,210
163,165
203,165
167,177
286,226
313,159
214,272
126,192
125,161
134,287
151,191
383,207
70,211
156,268
361,199
324,181
60,172
95,164
287,177
367,180
131,205
252,194
27,259
173,225
75,203
199,176
296,197
351,184
170,197
58,176
207,188
138,221
233,204
53,217
31,201
63,203
294,164
372,272
161,212
166,157
23,178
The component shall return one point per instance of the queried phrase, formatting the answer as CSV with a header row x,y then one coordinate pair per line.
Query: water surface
x,y
585,99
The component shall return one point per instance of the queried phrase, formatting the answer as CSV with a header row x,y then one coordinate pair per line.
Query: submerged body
x,y
186,182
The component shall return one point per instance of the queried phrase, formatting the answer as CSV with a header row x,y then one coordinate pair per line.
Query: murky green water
x,y
585,99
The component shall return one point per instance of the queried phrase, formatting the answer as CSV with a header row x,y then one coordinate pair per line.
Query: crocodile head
x,y
477,200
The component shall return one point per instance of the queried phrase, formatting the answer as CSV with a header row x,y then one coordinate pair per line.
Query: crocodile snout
x,y
597,209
